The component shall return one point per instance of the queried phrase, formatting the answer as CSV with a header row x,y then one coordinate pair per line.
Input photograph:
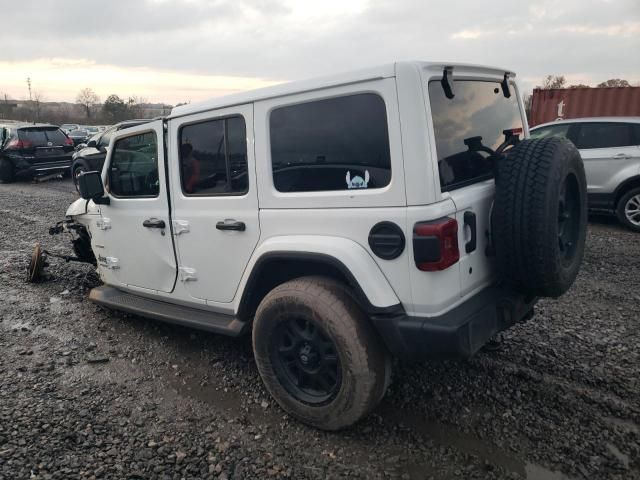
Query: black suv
x,y
91,157
33,149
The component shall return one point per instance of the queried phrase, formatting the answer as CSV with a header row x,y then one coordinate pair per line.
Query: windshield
x,y
478,109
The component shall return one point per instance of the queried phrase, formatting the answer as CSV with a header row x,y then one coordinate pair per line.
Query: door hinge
x,y
187,274
112,263
180,226
104,223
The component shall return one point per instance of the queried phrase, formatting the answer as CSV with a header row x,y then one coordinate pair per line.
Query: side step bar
x,y
167,312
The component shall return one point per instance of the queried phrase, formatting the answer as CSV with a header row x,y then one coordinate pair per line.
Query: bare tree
x,y
553,81
615,82
38,98
88,99
579,85
135,105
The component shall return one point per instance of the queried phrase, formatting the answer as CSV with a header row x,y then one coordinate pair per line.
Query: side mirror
x,y
92,143
91,188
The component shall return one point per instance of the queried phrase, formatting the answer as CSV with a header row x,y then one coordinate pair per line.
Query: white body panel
x,y
218,258
129,254
335,223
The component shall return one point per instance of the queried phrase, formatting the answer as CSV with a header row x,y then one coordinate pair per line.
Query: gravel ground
x,y
90,393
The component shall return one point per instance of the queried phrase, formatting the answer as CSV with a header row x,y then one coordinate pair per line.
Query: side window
x,y
604,135
560,130
133,171
213,157
636,133
331,144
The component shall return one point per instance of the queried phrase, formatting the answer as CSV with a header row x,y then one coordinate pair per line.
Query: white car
x,y
342,221
610,148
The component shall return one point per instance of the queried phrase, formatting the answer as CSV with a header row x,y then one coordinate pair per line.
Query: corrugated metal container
x,y
563,103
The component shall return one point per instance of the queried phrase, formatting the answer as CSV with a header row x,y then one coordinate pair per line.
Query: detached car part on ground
x,y
334,267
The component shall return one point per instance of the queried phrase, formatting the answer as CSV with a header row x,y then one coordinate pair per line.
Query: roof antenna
x,y
505,85
447,82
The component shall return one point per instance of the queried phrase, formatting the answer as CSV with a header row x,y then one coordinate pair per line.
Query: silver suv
x,y
610,148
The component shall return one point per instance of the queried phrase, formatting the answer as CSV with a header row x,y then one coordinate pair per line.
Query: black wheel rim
x,y
306,361
568,218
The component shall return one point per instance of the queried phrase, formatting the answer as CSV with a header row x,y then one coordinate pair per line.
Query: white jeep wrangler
x,y
393,211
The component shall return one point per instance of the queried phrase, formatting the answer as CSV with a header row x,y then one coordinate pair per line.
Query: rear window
x,y
41,137
331,144
478,109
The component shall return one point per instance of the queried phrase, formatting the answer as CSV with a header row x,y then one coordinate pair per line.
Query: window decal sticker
x,y
357,181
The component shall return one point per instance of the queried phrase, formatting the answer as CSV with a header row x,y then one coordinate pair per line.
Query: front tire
x,y
317,354
628,209
77,169
7,172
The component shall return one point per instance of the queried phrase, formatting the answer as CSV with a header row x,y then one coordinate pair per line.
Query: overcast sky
x,y
187,50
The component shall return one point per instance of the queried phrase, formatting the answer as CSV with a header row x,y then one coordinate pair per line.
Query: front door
x,y
214,199
135,238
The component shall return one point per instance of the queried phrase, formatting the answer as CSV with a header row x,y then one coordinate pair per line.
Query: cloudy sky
x,y
187,50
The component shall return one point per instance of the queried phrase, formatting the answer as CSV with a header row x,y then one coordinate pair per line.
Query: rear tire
x,y
628,209
7,172
317,354
540,216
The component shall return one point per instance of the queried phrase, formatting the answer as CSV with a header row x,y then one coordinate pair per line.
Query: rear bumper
x,y
25,167
460,332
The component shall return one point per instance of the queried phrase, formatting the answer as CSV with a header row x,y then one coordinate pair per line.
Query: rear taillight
x,y
16,144
68,141
435,244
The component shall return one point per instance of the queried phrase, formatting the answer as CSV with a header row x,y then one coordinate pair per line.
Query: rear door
x,y
606,148
215,200
135,248
477,115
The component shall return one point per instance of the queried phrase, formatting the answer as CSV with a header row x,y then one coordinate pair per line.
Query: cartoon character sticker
x,y
357,181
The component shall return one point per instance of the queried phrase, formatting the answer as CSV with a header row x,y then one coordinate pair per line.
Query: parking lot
x,y
90,393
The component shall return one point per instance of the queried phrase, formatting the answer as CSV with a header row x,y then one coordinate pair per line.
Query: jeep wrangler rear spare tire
x,y
317,354
540,216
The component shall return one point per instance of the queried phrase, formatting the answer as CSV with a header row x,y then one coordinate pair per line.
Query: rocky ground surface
x,y
90,393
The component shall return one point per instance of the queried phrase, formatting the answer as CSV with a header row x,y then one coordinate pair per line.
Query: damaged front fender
x,y
82,207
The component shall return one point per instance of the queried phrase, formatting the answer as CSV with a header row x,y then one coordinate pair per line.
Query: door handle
x,y
470,221
230,224
153,223
621,156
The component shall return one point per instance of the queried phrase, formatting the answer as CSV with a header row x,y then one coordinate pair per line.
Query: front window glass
x,y
478,112
133,171
331,144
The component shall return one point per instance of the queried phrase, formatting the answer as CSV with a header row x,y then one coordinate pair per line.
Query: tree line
x,y
88,109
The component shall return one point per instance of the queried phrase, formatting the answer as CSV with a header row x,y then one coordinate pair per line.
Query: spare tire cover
x,y
540,216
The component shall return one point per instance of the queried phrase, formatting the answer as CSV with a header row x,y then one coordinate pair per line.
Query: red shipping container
x,y
563,103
